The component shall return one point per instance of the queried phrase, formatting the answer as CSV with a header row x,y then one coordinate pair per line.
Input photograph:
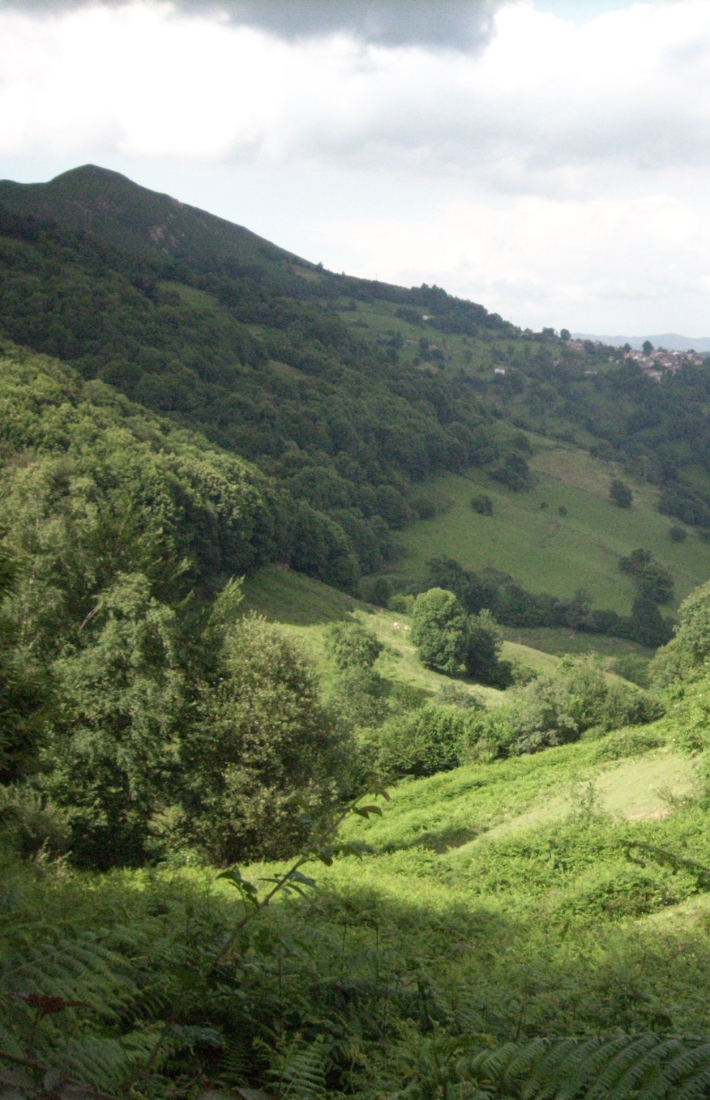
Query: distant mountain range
x,y
669,340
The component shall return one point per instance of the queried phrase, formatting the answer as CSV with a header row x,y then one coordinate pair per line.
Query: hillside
x,y
528,538
278,811
370,405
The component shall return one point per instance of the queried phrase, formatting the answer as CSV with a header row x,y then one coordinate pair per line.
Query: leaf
x,y
234,875
298,876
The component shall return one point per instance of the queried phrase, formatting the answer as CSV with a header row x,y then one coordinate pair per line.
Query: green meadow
x,y
547,551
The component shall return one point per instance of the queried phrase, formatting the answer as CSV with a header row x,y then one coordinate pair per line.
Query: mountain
x,y
669,340
121,213
350,395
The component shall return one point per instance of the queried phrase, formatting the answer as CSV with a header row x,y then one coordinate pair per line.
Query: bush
x,y
360,697
401,604
621,494
422,743
677,534
632,668
423,504
482,652
628,743
376,590
482,504
513,471
653,581
353,646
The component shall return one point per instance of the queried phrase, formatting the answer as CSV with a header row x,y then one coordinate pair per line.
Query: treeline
x,y
513,605
276,378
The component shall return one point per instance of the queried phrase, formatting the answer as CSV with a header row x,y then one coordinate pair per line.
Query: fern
x,y
299,1070
643,1067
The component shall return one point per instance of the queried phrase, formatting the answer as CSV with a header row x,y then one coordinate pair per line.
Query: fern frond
x,y
299,1073
645,1067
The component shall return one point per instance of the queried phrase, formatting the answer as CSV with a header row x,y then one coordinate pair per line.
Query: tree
x,y
440,631
114,747
353,646
647,347
264,744
653,581
483,652
648,625
482,504
620,493
564,334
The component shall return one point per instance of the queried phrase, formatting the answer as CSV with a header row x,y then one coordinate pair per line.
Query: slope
x,y
121,213
563,534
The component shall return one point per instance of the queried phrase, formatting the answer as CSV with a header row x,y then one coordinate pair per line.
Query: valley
x,y
282,806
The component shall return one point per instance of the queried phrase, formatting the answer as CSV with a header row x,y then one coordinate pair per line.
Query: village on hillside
x,y
655,362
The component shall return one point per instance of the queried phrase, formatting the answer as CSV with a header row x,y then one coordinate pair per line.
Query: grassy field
x,y
510,885
304,608
548,551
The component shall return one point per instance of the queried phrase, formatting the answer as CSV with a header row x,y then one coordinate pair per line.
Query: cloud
x,y
559,173
454,24
157,79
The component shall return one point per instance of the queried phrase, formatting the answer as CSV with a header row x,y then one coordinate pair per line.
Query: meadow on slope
x,y
548,551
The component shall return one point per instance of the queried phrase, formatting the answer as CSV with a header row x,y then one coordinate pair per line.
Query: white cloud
x,y
560,175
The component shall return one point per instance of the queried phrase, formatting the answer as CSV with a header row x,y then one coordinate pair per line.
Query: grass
x,y
559,640
546,551
304,608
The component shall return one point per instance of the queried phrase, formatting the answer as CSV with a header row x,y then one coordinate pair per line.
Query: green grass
x,y
546,551
304,608
559,640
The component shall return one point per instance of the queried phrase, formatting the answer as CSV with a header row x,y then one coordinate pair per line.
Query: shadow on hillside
x,y
441,840
284,596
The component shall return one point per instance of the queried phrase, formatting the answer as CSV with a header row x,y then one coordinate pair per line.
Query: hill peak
x,y
149,223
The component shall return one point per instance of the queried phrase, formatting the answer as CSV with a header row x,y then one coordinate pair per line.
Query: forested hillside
x,y
236,645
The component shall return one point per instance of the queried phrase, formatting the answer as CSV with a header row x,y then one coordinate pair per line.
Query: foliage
x,y
620,493
353,645
336,419
113,753
653,581
482,504
440,630
512,605
422,743
262,739
642,1067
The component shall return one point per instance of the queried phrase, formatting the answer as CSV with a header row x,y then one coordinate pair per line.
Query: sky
x,y
547,158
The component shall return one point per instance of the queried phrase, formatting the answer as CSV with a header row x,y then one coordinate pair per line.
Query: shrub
x,y
677,534
423,504
628,743
632,668
377,590
402,604
620,493
422,743
482,652
482,504
512,471
353,646
359,695
653,581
